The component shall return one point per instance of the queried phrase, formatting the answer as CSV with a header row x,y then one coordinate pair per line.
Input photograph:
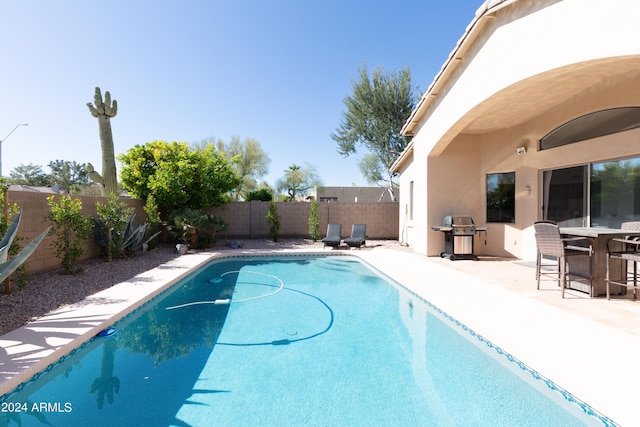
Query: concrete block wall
x,y
246,220
381,218
34,221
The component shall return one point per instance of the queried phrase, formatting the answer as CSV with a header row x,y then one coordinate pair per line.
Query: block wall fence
x,y
246,220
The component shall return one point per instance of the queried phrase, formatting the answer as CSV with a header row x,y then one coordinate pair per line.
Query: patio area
x,y
585,345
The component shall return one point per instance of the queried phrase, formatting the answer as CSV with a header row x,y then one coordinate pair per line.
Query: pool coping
x,y
33,347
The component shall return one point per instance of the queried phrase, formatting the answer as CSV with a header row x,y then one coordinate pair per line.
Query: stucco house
x,y
534,115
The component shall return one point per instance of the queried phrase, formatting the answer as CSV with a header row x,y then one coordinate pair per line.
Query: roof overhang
x,y
404,157
484,14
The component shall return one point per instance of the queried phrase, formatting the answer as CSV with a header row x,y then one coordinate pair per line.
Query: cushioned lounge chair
x,y
334,235
358,236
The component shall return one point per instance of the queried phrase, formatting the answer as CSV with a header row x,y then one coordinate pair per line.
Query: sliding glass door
x,y
565,196
602,194
615,192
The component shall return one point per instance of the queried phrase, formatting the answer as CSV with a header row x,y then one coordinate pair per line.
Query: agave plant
x,y
130,238
115,229
9,266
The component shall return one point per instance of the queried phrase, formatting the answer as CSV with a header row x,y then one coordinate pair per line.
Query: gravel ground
x,y
50,290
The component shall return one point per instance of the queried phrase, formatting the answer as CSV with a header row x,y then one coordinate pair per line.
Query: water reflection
x,y
106,384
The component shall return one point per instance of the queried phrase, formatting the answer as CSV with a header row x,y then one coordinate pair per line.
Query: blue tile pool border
x,y
570,398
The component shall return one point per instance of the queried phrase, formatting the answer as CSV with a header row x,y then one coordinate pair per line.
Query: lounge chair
x,y
358,236
334,235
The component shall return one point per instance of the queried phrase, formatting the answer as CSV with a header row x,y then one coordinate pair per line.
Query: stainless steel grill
x,y
459,233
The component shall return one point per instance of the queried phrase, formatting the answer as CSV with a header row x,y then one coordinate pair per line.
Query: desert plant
x,y
115,229
274,220
104,111
8,213
8,266
71,227
314,221
196,228
111,226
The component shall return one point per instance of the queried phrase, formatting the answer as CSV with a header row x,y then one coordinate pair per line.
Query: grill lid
x,y
458,221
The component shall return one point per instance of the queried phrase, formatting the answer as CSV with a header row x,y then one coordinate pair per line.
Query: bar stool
x,y
551,243
630,253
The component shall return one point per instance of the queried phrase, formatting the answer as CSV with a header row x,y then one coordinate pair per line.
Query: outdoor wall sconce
x,y
522,150
527,190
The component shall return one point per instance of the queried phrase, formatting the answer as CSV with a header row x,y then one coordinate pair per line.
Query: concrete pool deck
x,y
587,346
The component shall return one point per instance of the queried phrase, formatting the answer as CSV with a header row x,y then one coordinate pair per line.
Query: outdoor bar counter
x,y
599,237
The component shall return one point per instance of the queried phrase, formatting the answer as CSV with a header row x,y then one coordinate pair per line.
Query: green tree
x,y
298,181
247,160
176,176
375,114
70,176
263,194
29,175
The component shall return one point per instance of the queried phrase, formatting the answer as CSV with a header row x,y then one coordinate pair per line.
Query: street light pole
x,y
5,138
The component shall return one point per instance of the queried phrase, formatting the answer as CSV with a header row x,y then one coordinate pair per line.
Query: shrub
x,y
177,176
314,221
263,194
115,229
195,228
274,219
71,228
111,226
153,215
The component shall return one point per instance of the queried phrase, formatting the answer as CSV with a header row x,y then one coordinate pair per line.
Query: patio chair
x,y
550,243
628,251
358,236
334,235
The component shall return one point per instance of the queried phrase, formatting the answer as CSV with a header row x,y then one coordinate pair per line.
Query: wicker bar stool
x,y
551,243
630,253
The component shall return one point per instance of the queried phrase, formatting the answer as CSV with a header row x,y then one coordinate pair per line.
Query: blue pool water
x,y
338,344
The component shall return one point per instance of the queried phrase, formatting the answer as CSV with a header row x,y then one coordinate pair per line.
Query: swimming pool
x,y
338,344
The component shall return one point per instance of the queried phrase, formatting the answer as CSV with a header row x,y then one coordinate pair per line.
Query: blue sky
x,y
277,71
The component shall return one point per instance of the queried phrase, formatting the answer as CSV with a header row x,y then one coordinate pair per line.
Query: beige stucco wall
x,y
520,71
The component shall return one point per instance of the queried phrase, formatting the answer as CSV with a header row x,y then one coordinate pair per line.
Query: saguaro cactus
x,y
104,111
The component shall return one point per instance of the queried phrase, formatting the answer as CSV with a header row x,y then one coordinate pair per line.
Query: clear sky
x,y
277,71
